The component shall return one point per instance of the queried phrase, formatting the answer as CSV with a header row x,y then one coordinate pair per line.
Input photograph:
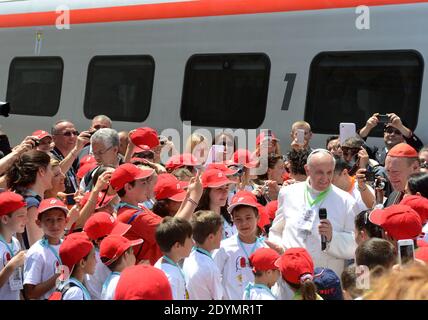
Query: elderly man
x,y
297,223
401,161
98,122
105,148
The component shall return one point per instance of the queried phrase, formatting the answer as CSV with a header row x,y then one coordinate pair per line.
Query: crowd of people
x,y
101,215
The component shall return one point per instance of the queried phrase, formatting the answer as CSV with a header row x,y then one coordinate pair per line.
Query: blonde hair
x,y
300,124
54,163
410,283
193,141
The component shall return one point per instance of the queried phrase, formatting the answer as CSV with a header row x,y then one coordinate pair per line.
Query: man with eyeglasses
x,y
68,144
98,122
394,132
297,222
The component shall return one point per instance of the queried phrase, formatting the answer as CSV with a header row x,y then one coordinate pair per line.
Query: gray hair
x,y
108,137
54,127
102,117
323,151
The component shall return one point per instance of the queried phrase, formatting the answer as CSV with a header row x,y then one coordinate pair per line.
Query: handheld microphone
x,y
322,214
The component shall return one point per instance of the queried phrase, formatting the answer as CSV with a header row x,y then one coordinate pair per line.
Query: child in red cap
x,y
117,254
43,261
297,269
266,274
97,227
174,236
78,255
233,256
13,217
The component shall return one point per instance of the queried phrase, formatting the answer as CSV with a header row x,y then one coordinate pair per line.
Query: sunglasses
x,y
68,133
392,130
347,150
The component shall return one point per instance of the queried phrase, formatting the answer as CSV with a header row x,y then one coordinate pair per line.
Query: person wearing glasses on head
x,y
68,144
394,132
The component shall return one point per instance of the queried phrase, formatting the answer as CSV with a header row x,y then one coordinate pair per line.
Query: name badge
x,y
15,280
307,221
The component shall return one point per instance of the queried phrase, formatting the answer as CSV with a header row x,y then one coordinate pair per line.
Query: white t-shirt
x,y
356,194
257,292
109,286
76,292
204,277
40,265
233,264
6,292
175,278
228,229
94,283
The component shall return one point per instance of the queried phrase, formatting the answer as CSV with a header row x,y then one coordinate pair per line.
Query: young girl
x,y
232,258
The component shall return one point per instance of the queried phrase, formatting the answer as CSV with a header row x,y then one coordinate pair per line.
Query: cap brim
x,y
120,228
277,263
144,174
136,242
232,206
377,217
230,172
54,207
220,184
179,197
251,165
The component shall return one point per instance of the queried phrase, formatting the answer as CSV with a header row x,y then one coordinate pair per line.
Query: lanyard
x,y
82,287
258,286
126,204
252,249
107,282
169,261
203,251
10,249
318,199
45,244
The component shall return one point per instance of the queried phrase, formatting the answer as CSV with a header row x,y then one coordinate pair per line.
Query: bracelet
x,y
362,190
192,201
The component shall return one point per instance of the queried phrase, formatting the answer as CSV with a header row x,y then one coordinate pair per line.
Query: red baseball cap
x,y
51,203
101,200
221,166
85,168
263,216
264,259
126,173
294,263
214,178
87,159
181,160
403,150
419,204
422,254
169,187
113,246
40,134
400,221
74,248
244,157
10,202
102,224
262,136
145,137
244,198
143,282
271,208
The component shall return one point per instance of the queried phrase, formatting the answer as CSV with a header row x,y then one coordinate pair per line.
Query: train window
x,y
351,86
34,86
120,87
226,90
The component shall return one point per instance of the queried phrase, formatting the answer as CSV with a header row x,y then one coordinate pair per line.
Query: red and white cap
x,y
243,198
145,137
263,259
214,178
243,157
169,187
181,160
419,204
40,134
51,203
74,248
10,202
221,166
113,246
127,173
296,265
102,224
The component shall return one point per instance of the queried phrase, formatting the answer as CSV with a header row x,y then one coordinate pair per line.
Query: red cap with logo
x,y
403,150
102,224
113,246
222,167
40,134
169,187
74,248
244,157
51,203
264,259
243,198
214,178
262,136
143,282
10,202
400,221
145,137
127,173
296,265
419,204
271,208
181,160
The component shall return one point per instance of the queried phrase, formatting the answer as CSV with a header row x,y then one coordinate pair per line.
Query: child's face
x,y
52,223
186,248
245,220
218,196
17,221
218,236
90,263
273,276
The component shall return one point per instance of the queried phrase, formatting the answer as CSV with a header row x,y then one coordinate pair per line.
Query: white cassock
x,y
296,224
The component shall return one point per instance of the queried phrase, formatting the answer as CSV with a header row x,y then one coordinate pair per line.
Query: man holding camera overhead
x,y
394,133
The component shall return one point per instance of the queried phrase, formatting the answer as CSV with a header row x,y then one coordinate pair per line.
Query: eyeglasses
x,y
392,131
347,150
68,133
100,153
